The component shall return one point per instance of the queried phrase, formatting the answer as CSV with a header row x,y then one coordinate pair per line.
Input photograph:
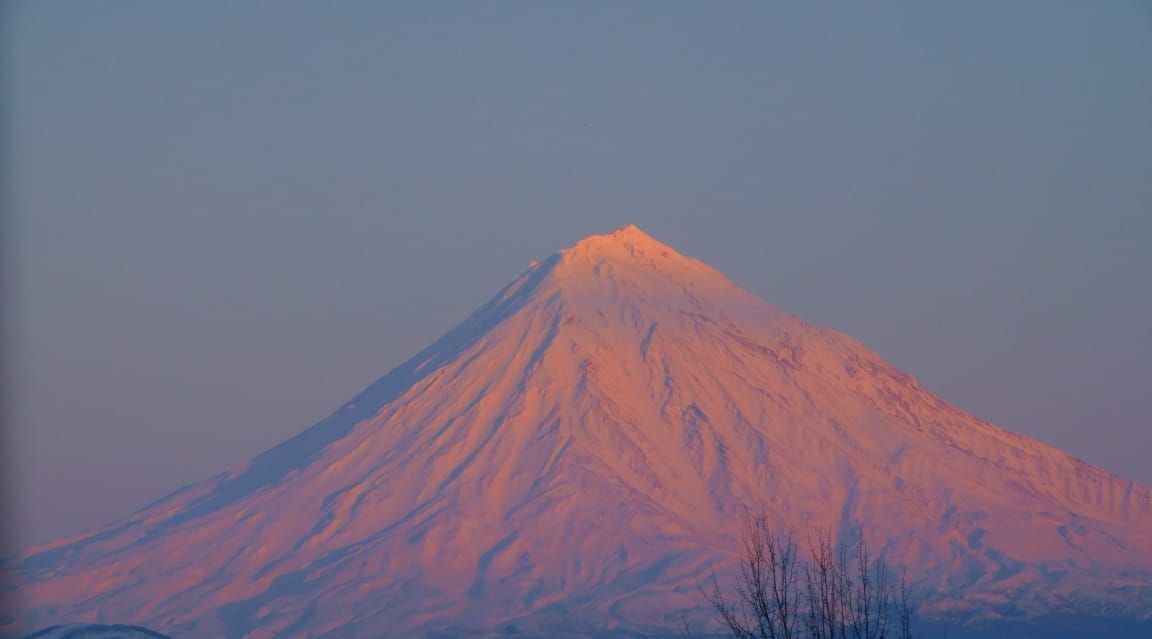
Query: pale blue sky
x,y
231,217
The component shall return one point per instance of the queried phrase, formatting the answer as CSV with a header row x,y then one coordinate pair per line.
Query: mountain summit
x,y
575,455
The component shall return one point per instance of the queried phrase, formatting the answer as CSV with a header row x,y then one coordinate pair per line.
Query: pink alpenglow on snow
x,y
577,454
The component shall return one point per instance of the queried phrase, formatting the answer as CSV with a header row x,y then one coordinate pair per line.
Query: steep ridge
x,y
576,453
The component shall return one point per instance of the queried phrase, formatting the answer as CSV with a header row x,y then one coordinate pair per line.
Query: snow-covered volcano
x,y
576,455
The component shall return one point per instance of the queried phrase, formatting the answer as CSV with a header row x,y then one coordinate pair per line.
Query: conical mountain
x,y
575,456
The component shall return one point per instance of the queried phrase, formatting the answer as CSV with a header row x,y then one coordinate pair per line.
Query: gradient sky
x,y
231,217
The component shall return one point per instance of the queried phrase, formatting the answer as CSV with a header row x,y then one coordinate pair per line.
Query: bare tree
x,y
843,595
767,605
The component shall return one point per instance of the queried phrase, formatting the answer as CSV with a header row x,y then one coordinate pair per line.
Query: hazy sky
x,y
231,217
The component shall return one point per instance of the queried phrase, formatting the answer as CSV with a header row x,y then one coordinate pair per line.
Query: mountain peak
x,y
628,237
630,247
631,233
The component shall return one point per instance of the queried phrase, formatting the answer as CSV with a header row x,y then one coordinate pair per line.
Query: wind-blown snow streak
x,y
576,453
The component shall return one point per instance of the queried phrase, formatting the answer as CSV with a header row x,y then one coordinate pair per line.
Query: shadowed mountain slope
x,y
95,631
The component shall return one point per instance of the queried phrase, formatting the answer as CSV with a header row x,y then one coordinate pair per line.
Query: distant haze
x,y
231,218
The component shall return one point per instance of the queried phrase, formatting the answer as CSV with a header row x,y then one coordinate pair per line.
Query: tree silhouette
x,y
831,594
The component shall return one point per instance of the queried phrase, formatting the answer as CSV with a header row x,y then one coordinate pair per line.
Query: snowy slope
x,y
575,454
